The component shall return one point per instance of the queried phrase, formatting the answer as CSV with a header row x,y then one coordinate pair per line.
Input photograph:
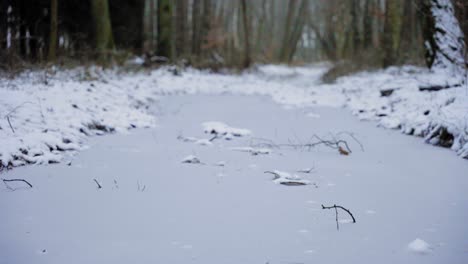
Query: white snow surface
x,y
46,114
152,208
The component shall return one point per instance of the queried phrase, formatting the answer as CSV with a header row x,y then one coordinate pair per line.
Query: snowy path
x,y
154,209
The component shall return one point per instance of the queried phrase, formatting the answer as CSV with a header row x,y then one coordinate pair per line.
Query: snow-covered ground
x,y
408,198
45,113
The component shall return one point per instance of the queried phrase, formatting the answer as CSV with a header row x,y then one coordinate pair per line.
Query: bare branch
x,y
98,185
5,181
336,212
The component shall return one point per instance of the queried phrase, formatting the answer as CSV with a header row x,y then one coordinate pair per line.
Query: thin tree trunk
x,y
196,27
368,21
165,30
52,54
247,59
287,31
181,27
103,30
356,38
390,35
206,24
298,29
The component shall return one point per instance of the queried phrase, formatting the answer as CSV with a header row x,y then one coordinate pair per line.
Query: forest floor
x,y
168,194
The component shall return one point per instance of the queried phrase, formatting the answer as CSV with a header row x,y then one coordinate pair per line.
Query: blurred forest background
x,y
218,33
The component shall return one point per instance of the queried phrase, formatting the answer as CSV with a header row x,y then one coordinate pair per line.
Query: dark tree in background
x,y
165,29
52,54
222,33
104,38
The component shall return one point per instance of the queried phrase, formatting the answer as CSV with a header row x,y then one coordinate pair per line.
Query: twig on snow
x,y
9,123
7,116
5,181
140,188
336,213
98,185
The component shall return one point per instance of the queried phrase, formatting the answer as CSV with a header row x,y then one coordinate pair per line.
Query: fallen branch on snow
x,y
336,213
98,185
339,144
5,181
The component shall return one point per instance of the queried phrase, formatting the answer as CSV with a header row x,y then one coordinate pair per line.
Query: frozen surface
x,y
152,208
47,115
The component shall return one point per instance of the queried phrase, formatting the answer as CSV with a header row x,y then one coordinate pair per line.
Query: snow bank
x,y
42,115
45,114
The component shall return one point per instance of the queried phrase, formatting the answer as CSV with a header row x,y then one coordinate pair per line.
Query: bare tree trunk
x,y
181,27
408,32
390,35
368,23
356,38
165,30
196,27
206,25
102,28
247,59
298,29
52,54
287,30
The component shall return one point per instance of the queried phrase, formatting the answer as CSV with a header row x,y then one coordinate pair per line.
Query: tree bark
x,y
165,30
181,27
390,35
368,21
196,27
247,60
52,54
104,39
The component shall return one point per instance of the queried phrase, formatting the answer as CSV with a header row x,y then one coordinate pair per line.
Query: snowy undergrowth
x,y
44,115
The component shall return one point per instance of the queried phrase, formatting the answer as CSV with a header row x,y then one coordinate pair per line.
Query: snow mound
x,y
221,129
285,178
191,159
419,246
